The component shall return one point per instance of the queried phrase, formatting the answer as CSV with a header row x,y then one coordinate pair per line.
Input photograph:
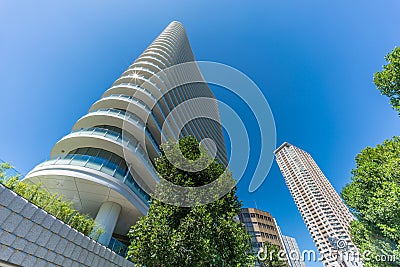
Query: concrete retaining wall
x,y
29,236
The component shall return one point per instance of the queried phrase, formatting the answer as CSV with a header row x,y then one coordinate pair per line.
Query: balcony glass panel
x,y
103,165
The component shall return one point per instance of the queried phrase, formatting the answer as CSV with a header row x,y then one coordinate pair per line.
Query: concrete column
x,y
107,217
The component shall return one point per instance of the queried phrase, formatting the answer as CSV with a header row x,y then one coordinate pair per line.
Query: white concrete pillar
x,y
107,217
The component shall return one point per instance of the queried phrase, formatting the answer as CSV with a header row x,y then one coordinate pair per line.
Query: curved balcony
x,y
163,38
136,100
149,52
116,117
165,48
153,83
102,165
166,40
119,101
139,75
147,73
89,181
131,99
130,89
143,111
147,65
123,88
165,45
136,79
159,77
110,141
153,60
162,52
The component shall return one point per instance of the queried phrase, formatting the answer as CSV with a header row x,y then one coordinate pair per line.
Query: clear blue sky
x,y
313,60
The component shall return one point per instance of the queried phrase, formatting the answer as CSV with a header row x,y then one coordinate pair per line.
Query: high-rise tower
x,y
323,211
145,106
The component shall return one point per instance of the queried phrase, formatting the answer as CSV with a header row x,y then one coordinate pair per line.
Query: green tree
x,y
388,80
374,198
202,235
272,256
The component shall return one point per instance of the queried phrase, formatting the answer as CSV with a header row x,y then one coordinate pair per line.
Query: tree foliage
x,y
374,198
388,80
202,235
52,203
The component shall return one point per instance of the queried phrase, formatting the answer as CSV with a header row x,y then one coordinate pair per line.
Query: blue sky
x,y
313,60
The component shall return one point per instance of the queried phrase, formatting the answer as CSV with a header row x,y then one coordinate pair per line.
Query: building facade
x,y
324,213
144,107
261,226
293,253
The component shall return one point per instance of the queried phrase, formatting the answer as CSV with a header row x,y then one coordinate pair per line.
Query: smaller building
x,y
293,253
261,226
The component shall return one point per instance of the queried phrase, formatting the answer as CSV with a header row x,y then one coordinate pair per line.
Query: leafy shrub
x,y
54,204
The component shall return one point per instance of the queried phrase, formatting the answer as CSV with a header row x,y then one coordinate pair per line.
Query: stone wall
x,y
29,236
